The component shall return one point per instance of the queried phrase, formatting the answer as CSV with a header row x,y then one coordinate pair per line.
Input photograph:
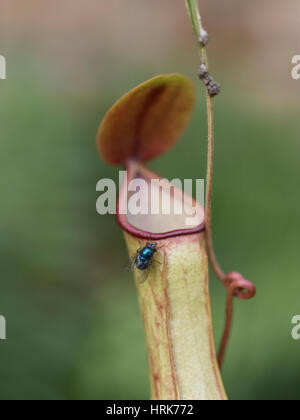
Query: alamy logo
x,y
2,67
2,328
296,68
155,197
296,328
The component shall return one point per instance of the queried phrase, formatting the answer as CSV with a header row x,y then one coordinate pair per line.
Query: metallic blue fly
x,y
144,259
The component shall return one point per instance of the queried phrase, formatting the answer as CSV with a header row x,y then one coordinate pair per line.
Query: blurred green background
x,y
73,323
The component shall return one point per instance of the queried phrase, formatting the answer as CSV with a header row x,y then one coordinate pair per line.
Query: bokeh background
x,y
73,323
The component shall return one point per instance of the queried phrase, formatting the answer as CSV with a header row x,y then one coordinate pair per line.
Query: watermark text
x,y
296,68
296,328
2,328
2,67
152,197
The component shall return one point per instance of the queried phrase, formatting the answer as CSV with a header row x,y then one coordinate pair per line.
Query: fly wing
x,y
142,275
130,266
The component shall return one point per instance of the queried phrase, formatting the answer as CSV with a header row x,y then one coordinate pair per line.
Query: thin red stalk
x,y
209,186
236,284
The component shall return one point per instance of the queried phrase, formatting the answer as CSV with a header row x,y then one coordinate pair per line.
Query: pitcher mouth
x,y
159,225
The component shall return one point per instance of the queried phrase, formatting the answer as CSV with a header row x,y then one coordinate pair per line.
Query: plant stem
x,y
192,6
209,186
235,283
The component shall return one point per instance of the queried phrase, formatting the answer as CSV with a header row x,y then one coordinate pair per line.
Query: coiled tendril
x,y
237,286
